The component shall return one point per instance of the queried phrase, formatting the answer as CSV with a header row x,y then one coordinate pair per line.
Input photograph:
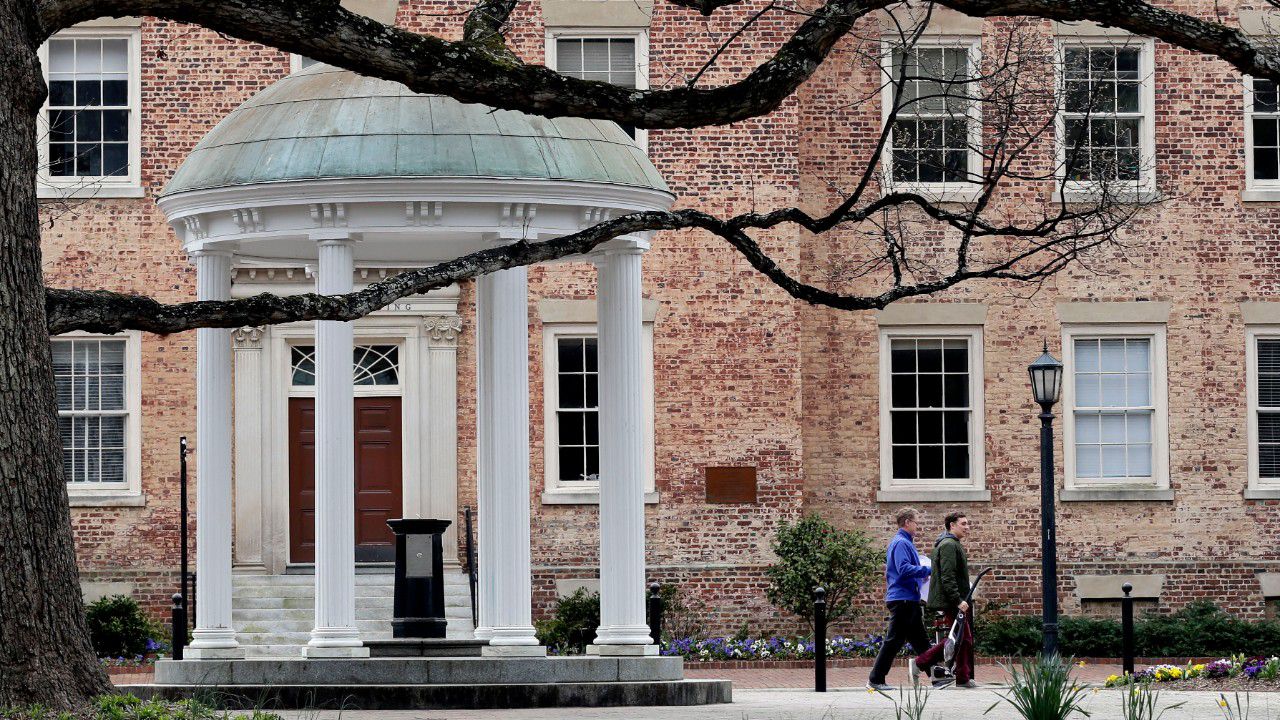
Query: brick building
x,y
1171,341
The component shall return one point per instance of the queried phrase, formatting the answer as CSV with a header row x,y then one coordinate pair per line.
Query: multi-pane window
x,y
92,412
932,131
1268,408
1105,114
89,107
1114,409
371,365
1264,130
931,409
577,409
606,59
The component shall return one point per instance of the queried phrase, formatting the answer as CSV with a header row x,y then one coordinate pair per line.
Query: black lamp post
x,y
1046,386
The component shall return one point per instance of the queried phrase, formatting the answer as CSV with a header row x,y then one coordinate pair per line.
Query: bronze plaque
x,y
731,484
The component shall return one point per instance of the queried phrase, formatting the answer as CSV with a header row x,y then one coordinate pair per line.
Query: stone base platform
x,y
424,647
400,683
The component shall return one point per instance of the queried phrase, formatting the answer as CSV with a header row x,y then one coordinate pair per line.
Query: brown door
x,y
378,467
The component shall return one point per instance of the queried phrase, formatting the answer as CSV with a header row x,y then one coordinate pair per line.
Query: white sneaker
x,y
913,669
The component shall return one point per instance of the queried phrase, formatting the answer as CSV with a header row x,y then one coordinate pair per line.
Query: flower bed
x,y
1236,668
767,649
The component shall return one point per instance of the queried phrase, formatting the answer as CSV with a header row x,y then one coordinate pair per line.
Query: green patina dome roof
x,y
327,123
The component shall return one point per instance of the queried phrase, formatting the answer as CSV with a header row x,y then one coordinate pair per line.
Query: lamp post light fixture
x,y
1046,387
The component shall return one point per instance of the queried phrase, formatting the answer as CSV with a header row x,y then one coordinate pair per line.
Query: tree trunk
x,y
45,653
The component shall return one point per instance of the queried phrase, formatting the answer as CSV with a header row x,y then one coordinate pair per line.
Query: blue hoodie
x,y
902,569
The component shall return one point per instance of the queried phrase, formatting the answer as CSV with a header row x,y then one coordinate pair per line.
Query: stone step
x,y
256,627
259,615
247,580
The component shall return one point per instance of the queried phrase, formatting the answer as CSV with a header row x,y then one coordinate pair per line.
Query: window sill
x,y
88,192
1083,196
585,497
1262,493
942,193
933,495
124,498
1260,195
1122,494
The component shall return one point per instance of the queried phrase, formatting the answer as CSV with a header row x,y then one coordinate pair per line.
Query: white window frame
x,y
1259,488
938,191
1254,190
128,493
641,37
125,186
1156,333
1145,187
975,488
564,493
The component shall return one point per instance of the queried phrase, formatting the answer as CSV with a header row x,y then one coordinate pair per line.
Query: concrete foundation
x,y
384,683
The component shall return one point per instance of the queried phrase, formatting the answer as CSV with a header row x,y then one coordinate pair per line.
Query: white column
x,y
251,518
214,637
486,513
335,633
506,462
623,630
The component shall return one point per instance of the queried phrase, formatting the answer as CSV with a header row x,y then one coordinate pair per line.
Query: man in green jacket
x,y
948,589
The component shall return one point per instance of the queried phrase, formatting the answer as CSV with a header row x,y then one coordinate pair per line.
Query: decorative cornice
x,y
248,336
443,328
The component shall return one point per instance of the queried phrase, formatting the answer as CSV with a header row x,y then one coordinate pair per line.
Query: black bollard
x,y
178,626
819,640
655,614
1126,627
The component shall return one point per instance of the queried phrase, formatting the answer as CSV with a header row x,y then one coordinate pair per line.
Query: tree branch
x,y
473,71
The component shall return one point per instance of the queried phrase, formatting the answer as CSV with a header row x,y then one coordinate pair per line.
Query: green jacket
x,y
950,582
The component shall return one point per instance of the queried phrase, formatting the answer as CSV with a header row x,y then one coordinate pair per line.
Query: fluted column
x,y
214,636
505,460
486,511
335,633
623,630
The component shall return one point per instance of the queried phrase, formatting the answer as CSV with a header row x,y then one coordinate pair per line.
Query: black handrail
x,y
471,567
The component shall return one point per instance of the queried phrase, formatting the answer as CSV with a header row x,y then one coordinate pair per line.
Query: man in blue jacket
x,y
903,574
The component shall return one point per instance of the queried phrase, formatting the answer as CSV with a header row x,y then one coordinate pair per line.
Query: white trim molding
x,y
577,318
1267,190
79,187
1153,487
959,192
970,489
1258,488
129,493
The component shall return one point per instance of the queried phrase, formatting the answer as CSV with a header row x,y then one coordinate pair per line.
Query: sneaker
x,y
972,684
942,683
914,669
881,687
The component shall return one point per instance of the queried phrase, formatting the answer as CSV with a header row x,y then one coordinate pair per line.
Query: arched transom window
x,y
371,365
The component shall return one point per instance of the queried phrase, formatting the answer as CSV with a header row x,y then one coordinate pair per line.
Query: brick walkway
x,y
857,677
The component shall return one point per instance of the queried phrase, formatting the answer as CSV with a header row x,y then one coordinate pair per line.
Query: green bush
x,y
682,616
1200,629
118,628
812,553
573,624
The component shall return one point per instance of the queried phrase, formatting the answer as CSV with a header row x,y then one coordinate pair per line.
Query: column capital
x,y
248,337
443,329
334,236
214,252
618,246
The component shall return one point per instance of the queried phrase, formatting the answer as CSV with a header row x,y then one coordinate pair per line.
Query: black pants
x,y
906,625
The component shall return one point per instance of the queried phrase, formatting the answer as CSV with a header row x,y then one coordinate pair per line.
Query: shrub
x,y
573,624
118,628
1043,689
1017,636
1090,637
681,616
812,553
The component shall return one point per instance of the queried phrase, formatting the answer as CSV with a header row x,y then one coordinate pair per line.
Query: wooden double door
x,y
378,498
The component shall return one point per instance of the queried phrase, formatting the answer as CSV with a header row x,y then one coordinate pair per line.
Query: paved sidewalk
x,y
756,679
954,704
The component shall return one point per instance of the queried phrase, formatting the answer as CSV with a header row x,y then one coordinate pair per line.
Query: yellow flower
x,y
1081,663
1223,703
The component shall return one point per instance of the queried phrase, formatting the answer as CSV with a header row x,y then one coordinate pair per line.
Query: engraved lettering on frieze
x,y
248,336
443,328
